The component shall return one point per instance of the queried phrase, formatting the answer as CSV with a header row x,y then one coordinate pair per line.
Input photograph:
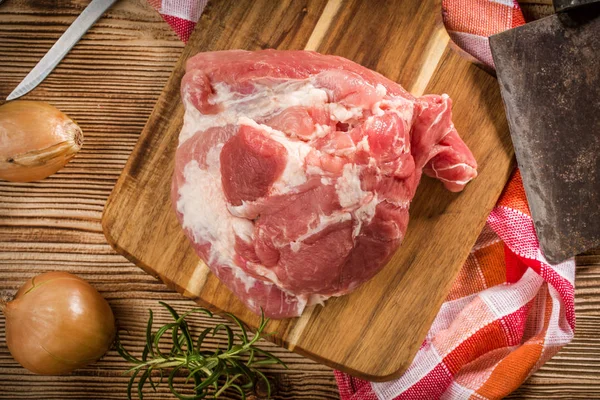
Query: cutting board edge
x,y
368,376
112,239
281,341
398,370
113,235
108,232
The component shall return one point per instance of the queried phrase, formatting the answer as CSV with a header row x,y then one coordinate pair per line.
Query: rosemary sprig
x,y
213,372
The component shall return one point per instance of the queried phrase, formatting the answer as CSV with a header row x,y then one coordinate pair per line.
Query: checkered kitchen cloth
x,y
509,311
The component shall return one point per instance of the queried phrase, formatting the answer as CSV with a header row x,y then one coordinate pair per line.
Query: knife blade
x,y
62,46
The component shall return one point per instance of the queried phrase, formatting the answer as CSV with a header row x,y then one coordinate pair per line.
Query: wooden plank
x,y
55,224
140,223
441,223
109,83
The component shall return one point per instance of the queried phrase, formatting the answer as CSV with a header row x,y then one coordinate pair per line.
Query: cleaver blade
x,y
549,76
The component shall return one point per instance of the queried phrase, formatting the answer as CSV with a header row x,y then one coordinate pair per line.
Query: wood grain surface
x,y
374,332
114,76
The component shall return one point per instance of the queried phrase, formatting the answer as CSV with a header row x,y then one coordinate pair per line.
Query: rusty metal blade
x,y
564,5
549,75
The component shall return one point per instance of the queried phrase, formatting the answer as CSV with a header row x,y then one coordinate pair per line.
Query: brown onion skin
x,y
36,140
60,325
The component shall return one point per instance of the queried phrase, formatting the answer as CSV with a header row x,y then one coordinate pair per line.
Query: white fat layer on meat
x,y
314,170
364,214
243,228
363,144
441,114
463,165
320,131
194,121
294,172
266,101
324,222
241,211
332,150
317,299
348,187
459,165
343,114
243,277
401,106
399,203
203,207
265,272
351,196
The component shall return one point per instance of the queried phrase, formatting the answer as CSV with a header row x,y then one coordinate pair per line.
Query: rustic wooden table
x,y
109,83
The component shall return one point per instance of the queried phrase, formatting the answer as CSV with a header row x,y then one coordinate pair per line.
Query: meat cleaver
x,y
549,76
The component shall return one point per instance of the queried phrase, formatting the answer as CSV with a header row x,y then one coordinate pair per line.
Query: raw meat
x,y
295,171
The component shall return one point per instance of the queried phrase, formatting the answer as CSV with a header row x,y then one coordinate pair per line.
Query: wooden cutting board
x,y
374,332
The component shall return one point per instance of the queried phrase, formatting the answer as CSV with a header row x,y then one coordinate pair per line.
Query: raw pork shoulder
x,y
295,171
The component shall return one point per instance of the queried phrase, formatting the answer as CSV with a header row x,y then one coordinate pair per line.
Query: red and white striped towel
x,y
509,311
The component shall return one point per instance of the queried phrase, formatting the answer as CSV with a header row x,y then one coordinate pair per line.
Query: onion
x,y
56,323
36,140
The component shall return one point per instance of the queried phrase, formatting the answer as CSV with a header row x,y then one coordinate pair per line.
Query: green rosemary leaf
x,y
216,373
256,336
269,355
123,352
194,373
229,334
149,339
196,368
141,383
240,324
241,338
234,364
170,382
178,349
145,353
250,357
137,367
195,359
171,310
175,392
184,326
210,364
175,326
267,361
159,334
247,386
175,337
180,324
244,370
152,384
185,330
202,337
266,380
239,389
197,310
197,381
131,382
229,381
161,378
236,348
263,321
